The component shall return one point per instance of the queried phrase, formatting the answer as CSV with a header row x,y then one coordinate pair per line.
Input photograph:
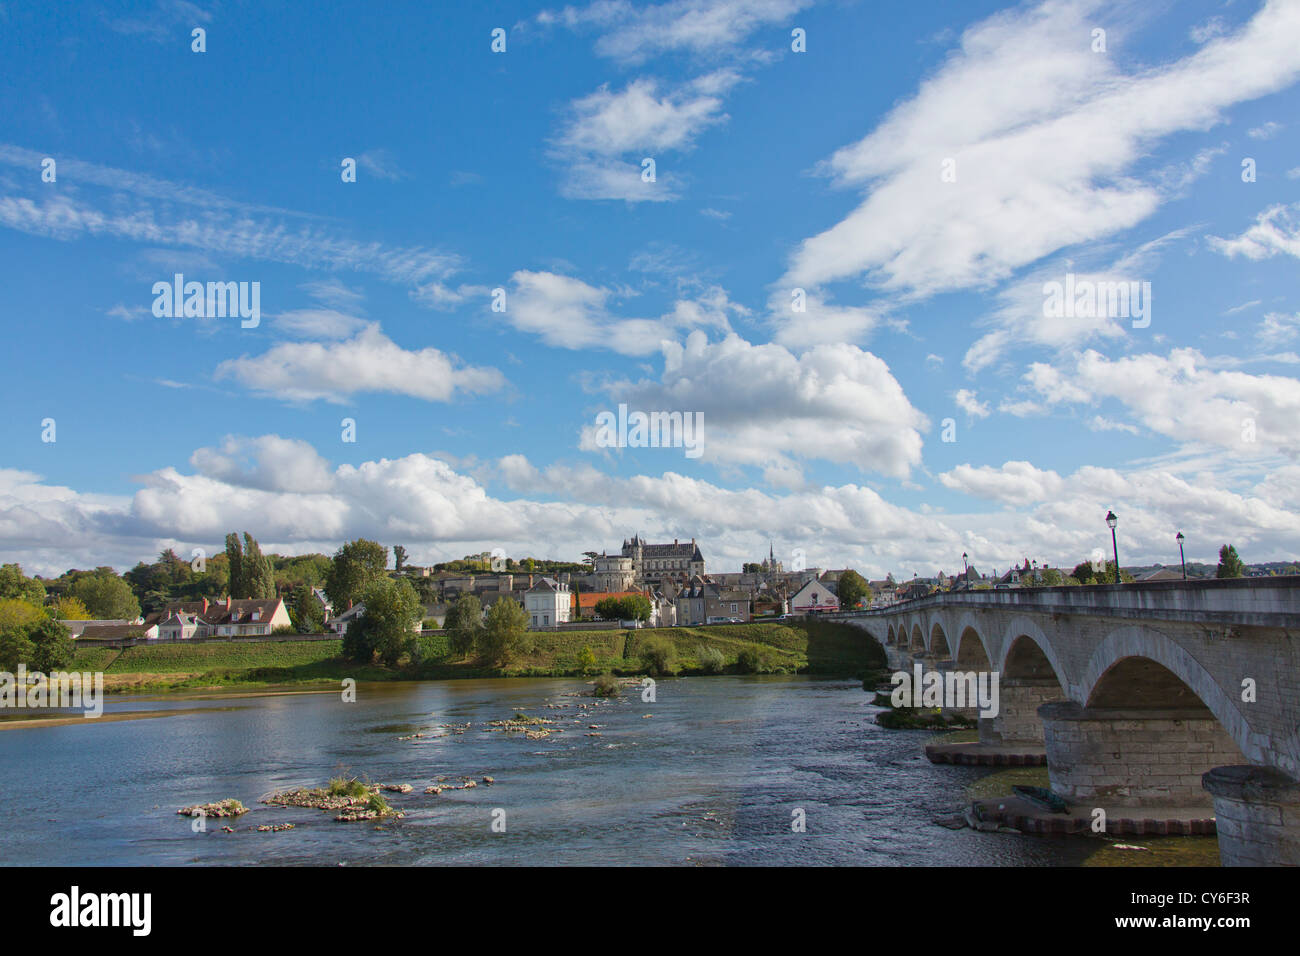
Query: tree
x,y
1230,565
629,607
658,656
106,596
68,608
307,614
1050,577
15,647
18,613
356,566
852,589
52,646
587,661
386,626
399,558
465,622
259,573
503,635
15,584
235,558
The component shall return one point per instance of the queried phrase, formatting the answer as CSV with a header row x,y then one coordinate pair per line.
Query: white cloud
x,y
968,402
766,407
1044,134
632,32
609,134
568,313
1264,130
1276,230
1278,328
318,324
283,493
1182,397
1016,482
368,362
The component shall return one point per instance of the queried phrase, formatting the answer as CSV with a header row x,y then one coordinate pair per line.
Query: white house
x,y
181,626
812,598
548,603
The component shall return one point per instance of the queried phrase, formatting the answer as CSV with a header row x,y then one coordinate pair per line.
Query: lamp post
x,y
965,571
1111,521
1181,556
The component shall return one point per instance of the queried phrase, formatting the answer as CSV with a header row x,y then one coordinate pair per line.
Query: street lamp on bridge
x,y
1111,521
1181,556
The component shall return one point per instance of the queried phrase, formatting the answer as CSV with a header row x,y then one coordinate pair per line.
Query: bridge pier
x,y
1133,757
1017,722
1257,810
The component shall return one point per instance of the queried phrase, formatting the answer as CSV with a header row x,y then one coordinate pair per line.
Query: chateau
x,y
640,566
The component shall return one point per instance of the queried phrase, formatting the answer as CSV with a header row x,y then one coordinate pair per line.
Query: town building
x,y
548,603
813,598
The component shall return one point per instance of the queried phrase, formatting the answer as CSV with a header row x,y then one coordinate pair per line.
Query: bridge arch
x,y
1127,655
1025,649
938,646
917,642
971,652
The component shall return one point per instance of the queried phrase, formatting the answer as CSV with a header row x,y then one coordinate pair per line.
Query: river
x,y
714,776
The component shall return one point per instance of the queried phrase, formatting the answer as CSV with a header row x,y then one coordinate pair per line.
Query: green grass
x,y
199,658
785,647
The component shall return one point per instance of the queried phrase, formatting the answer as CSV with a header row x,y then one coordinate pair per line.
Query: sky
x,y
827,229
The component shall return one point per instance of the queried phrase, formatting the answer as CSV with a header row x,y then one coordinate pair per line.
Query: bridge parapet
x,y
1262,602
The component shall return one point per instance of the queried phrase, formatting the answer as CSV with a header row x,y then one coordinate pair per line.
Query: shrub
x,y
658,657
752,660
606,686
347,787
711,659
586,661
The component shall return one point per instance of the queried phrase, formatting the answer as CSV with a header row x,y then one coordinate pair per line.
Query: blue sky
x,y
819,170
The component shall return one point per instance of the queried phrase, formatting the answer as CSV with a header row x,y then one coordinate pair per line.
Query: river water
x,y
714,776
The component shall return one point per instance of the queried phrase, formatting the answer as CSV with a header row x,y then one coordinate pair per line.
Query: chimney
x,y
674,542
205,605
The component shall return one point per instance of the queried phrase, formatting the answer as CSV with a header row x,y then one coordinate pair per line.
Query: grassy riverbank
x,y
815,647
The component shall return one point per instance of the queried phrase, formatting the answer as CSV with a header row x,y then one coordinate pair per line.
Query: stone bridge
x,y
1179,694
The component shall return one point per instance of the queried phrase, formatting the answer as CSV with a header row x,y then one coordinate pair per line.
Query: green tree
x,y
464,622
399,558
105,595
852,589
387,625
68,608
502,636
629,607
18,613
658,657
15,584
587,661
307,614
15,647
258,571
235,559
1230,565
356,566
52,646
